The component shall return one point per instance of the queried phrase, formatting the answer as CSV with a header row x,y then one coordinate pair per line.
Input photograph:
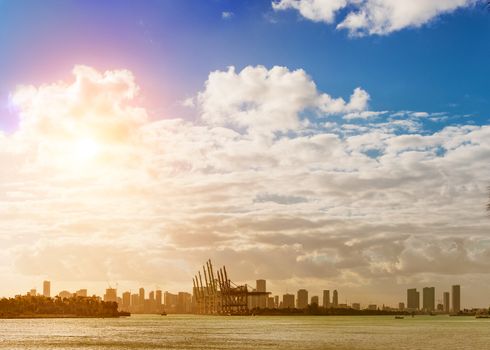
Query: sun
x,y
86,149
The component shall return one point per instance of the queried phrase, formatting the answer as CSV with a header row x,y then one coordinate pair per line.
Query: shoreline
x,y
17,317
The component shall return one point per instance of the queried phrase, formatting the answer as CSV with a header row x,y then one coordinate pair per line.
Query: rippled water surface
x,y
208,332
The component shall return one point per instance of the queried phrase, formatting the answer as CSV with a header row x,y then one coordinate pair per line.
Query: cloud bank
x,y
368,17
273,179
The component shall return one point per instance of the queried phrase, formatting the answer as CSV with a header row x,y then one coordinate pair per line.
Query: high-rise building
x,y
271,303
261,301
276,301
456,292
302,302
135,299
445,302
261,285
126,300
142,297
335,299
184,302
413,299
315,300
151,296
288,301
159,299
356,306
429,300
32,292
110,295
401,306
47,289
326,299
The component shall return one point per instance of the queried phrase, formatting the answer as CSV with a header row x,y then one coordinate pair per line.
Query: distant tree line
x,y
37,306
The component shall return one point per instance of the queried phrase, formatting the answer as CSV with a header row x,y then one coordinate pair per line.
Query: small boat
x,y
399,317
163,314
482,316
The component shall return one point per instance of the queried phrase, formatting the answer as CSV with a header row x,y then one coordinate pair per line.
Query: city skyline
x,y
318,145
134,300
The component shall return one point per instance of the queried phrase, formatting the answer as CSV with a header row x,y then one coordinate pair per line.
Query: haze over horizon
x,y
314,144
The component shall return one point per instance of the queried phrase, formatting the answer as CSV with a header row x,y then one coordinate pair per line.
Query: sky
x,y
319,144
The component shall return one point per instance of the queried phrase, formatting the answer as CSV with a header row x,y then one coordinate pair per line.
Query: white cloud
x,y
367,17
315,10
359,207
227,14
363,115
262,100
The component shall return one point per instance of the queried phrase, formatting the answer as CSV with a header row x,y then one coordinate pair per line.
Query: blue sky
x,y
171,46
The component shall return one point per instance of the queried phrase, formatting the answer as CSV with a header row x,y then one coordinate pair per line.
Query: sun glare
x,y
86,149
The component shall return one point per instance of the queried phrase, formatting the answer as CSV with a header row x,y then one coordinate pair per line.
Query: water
x,y
208,332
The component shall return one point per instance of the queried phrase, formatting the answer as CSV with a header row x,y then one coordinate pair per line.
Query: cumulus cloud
x,y
261,100
258,182
315,10
367,17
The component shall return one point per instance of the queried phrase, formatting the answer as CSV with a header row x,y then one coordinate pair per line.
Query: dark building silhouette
x,y
445,302
413,299
302,299
335,299
456,291
429,299
288,301
326,299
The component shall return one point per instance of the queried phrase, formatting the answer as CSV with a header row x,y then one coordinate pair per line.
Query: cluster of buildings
x,y
301,301
429,300
183,302
157,301
63,294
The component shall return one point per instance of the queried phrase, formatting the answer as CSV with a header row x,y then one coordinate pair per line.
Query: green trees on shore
x,y
25,306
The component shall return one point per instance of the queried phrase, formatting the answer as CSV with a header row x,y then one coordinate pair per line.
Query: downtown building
x,y
413,299
429,299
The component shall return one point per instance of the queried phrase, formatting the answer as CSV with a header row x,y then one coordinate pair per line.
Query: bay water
x,y
259,332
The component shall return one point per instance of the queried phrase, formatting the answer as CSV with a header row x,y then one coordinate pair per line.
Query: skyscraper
x,y
126,300
445,302
159,298
261,299
456,292
326,299
47,289
142,297
413,299
429,301
110,295
302,299
314,300
335,299
288,301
